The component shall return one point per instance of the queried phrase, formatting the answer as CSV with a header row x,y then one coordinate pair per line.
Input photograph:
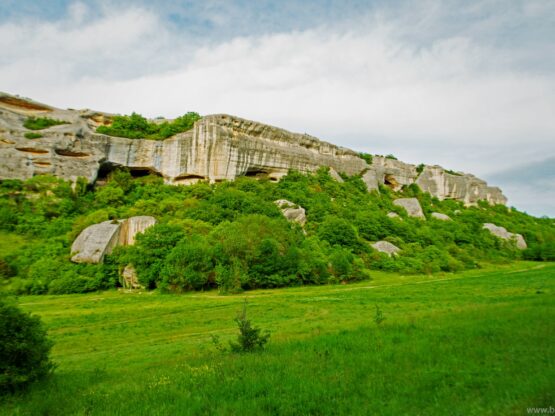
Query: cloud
x,y
470,90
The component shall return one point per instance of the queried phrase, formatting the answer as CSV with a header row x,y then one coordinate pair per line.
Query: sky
x,y
469,85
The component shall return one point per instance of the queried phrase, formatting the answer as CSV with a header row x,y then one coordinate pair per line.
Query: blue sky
x,y
469,85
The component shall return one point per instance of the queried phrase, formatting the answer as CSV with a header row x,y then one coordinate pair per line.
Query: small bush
x,y
24,349
249,338
390,156
41,123
366,157
136,126
33,135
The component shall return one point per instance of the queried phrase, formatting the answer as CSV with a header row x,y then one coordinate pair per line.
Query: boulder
x,y
394,215
370,179
95,242
336,176
440,216
412,206
129,278
133,226
291,211
501,232
386,247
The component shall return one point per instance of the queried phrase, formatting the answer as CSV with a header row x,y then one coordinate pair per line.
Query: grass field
x,y
473,343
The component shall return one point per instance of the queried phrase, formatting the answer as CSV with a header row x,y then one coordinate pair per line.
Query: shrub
x,y
41,123
136,126
390,156
366,157
24,349
250,338
33,135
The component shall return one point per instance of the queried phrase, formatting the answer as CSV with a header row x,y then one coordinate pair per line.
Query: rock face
x,y
440,216
95,242
219,147
291,211
98,240
386,247
501,232
412,206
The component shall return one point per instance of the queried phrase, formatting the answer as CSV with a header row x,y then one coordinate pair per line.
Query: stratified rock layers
x,y
219,147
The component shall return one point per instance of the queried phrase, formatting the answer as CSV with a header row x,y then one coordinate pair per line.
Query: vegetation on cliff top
x,y
41,123
231,235
136,126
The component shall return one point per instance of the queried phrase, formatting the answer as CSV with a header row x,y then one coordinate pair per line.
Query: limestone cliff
x,y
219,147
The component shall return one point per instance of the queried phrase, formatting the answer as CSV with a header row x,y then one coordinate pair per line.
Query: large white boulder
x,y
98,240
292,211
501,232
412,206
386,247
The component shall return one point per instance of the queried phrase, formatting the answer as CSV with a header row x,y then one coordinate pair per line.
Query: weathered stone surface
x,y
129,278
219,147
412,206
463,187
394,215
336,176
501,232
132,226
291,211
440,216
386,247
95,242
98,240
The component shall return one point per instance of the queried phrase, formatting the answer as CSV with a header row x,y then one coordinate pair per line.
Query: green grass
x,y
474,343
41,123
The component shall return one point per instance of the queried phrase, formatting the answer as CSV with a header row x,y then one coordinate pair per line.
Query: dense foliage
x,y
136,126
41,123
232,236
24,348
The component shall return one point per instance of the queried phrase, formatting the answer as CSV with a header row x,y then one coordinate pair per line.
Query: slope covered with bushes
x,y
232,236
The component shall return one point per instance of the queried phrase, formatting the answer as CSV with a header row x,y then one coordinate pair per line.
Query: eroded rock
x,y
219,147
412,206
501,232
291,211
98,240
95,242
386,247
440,216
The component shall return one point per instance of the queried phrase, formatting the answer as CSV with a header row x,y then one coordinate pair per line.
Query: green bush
x,y
33,135
250,338
24,349
41,123
136,126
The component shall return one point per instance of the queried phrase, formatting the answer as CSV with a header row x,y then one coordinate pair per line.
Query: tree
x,y
24,349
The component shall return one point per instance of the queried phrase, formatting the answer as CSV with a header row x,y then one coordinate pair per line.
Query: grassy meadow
x,y
472,343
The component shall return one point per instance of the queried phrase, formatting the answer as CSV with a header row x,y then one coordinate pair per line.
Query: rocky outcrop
x,y
129,279
501,232
219,147
133,226
412,206
95,242
440,216
394,215
386,247
98,240
291,211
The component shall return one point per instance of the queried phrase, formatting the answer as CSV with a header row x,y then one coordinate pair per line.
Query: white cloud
x,y
452,100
